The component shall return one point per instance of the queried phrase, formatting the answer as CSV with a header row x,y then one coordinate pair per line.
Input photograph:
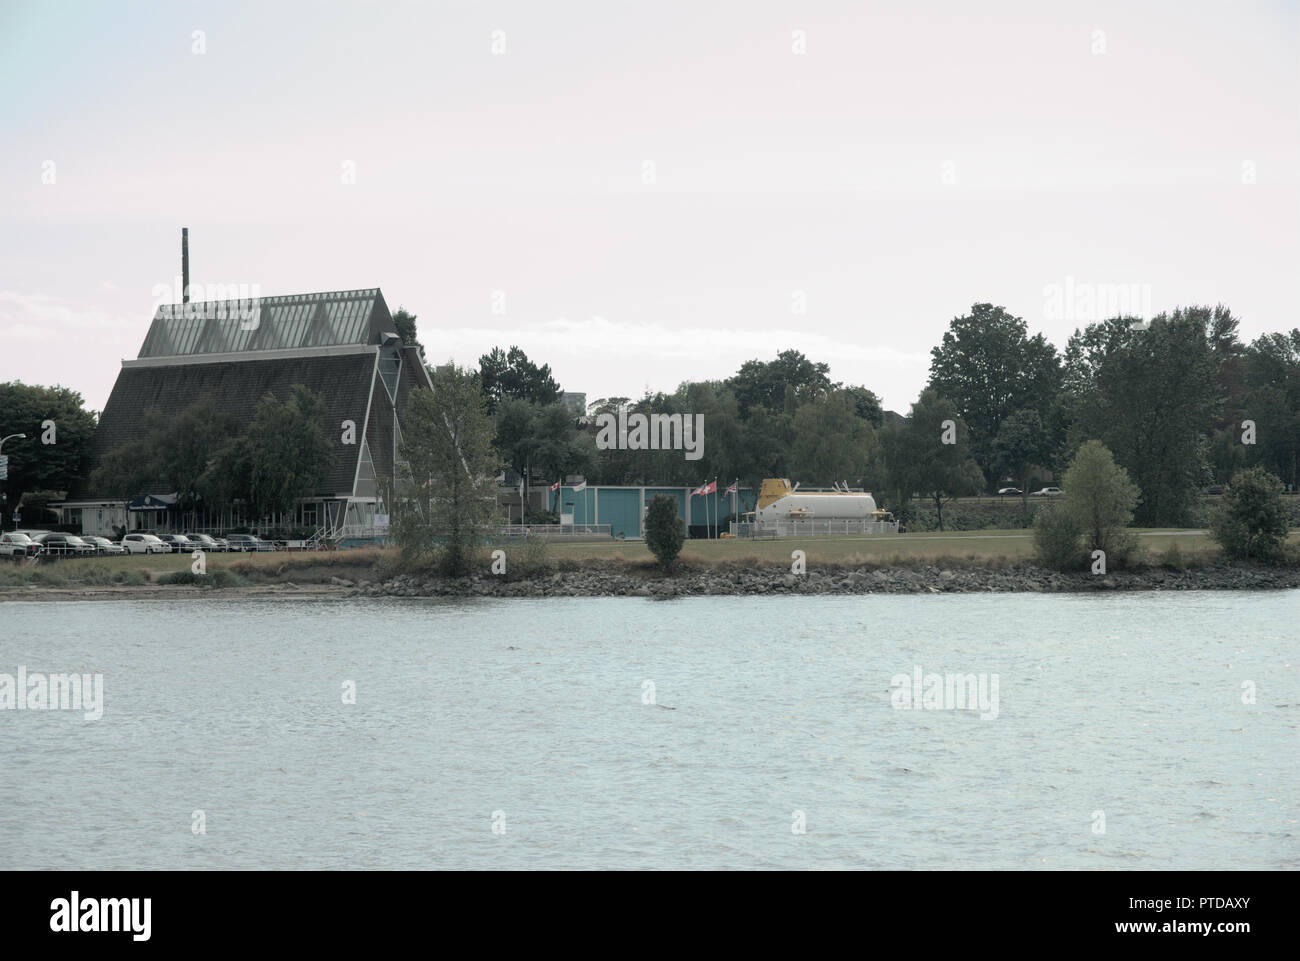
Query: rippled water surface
x,y
530,715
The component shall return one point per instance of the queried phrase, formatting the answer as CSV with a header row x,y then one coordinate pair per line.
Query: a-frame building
x,y
341,345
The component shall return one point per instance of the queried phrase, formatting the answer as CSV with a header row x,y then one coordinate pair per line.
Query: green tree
x,y
1056,538
1151,396
663,530
1272,401
229,478
1022,442
722,450
404,320
510,374
536,440
768,438
990,368
920,460
181,451
789,380
1100,498
176,455
445,505
832,443
129,470
1229,361
288,451
867,406
1251,523
50,458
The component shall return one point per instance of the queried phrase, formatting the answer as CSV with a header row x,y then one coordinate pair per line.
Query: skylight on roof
x,y
266,323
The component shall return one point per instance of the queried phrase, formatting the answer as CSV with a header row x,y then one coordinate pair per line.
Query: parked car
x,y
204,542
177,543
64,545
144,544
1048,492
249,542
1010,492
15,544
103,545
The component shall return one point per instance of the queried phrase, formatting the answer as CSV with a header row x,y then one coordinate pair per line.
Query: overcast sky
x,y
640,194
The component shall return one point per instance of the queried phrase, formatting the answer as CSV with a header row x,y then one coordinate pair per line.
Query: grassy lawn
x,y
137,569
957,548
1007,546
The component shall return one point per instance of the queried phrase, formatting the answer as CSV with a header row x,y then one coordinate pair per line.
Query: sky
x,y
645,193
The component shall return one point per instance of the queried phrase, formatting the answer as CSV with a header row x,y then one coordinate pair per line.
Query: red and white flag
x,y
730,490
710,488
555,487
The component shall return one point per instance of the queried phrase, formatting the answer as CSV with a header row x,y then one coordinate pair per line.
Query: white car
x,y
1048,492
145,544
16,544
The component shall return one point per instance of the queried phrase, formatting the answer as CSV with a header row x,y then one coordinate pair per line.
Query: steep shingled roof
x,y
200,363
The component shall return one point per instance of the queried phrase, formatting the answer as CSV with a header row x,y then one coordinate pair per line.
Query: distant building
x,y
623,508
340,345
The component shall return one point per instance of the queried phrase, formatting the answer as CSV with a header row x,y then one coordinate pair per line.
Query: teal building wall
x,y
622,508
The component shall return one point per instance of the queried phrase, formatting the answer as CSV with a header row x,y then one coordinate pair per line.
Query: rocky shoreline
x,y
708,582
779,580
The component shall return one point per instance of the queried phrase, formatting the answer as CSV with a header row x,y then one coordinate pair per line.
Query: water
x,y
531,711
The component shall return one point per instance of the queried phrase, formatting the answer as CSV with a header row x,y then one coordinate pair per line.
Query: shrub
x,y
1057,538
213,579
1251,523
528,558
1173,558
1100,498
663,530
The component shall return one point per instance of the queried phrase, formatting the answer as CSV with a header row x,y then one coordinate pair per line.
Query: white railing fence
x,y
811,527
521,531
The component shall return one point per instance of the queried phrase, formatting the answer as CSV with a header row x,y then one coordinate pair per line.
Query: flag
x,y
555,487
730,490
709,488
580,487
